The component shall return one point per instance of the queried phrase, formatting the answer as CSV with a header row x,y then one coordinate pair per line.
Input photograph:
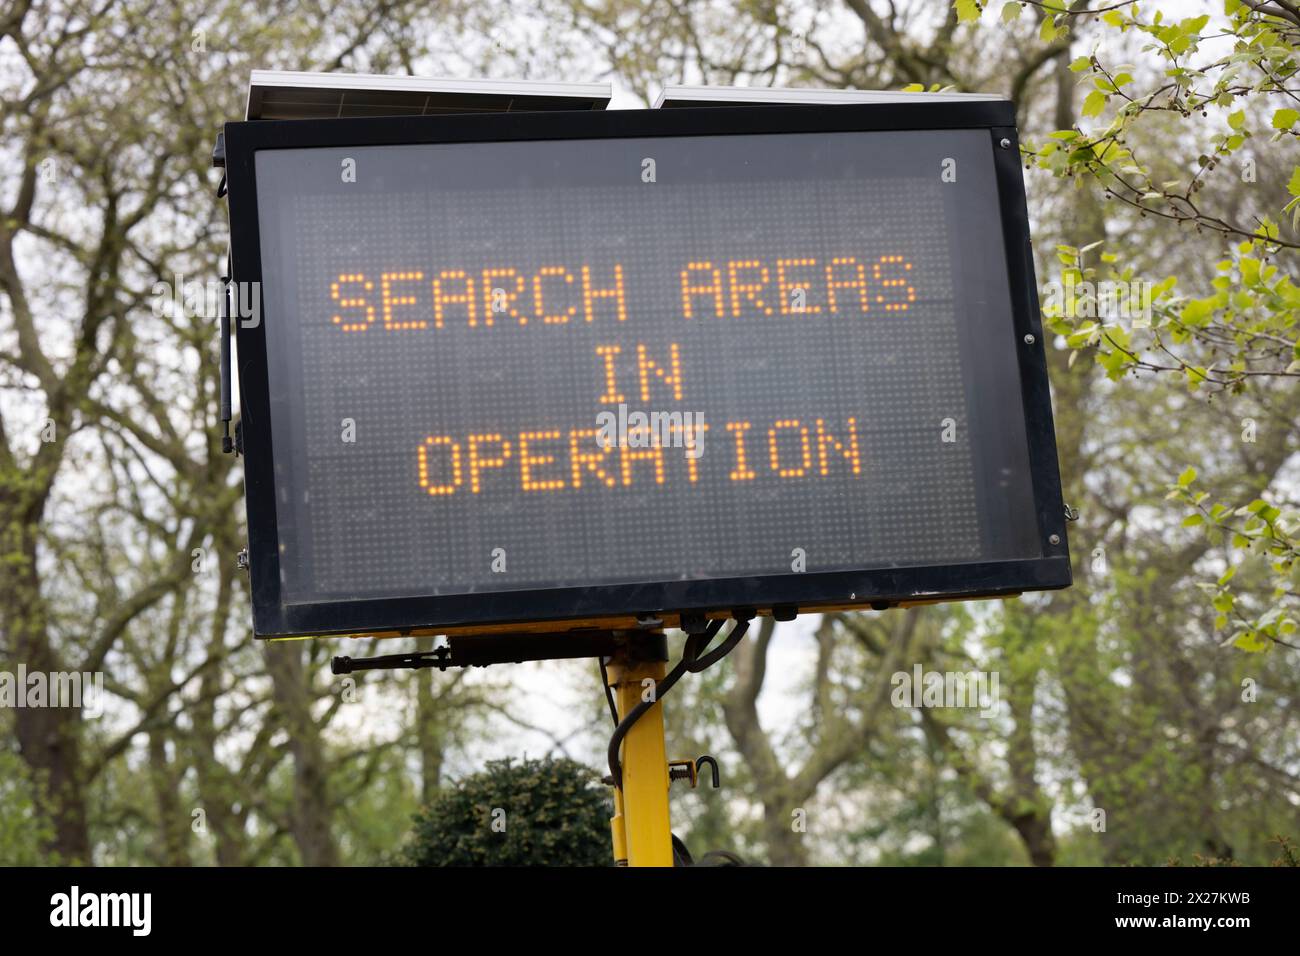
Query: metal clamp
x,y
690,770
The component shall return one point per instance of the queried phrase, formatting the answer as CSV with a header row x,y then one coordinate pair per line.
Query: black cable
x,y
691,661
722,650
609,691
616,741
681,855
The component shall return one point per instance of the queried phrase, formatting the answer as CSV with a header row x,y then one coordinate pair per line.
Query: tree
x,y
1213,102
1118,657
119,515
552,812
1163,139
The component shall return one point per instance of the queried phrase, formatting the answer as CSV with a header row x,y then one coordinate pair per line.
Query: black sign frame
x,y
624,604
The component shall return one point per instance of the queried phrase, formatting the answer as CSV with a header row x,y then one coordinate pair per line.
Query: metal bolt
x,y
1029,339
241,559
1005,144
1055,539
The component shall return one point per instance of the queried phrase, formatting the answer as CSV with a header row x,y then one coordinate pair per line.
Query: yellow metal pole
x,y
641,825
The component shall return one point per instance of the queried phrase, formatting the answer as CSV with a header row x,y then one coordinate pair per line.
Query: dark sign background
x,y
354,519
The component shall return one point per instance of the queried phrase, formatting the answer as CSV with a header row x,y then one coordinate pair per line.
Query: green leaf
x,y
1285,118
1187,477
1010,12
1251,643
1094,103
1197,311
968,10
1237,120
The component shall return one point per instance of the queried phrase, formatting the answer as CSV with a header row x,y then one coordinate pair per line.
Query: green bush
x,y
533,813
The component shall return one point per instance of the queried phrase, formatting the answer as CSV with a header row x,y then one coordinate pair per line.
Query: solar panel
x,y
282,94
694,96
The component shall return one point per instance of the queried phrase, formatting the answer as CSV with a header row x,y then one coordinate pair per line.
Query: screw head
x,y
1029,339
1055,539
1005,143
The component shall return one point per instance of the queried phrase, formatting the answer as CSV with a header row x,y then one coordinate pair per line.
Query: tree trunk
x,y
786,846
312,809
428,739
174,820
49,738
216,794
